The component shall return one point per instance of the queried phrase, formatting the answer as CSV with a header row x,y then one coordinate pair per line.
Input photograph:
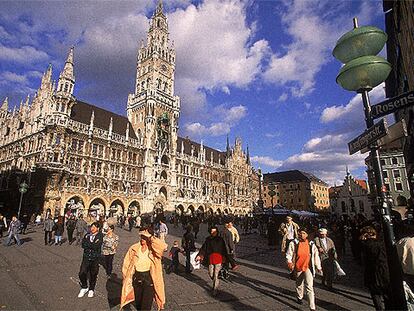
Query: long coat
x,y
156,248
330,245
376,274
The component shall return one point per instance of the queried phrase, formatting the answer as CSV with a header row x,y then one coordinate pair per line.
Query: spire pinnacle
x,y
247,155
5,105
160,8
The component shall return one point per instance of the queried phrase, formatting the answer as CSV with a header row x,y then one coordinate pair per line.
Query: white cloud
x,y
267,161
223,54
314,27
223,120
273,135
283,97
24,54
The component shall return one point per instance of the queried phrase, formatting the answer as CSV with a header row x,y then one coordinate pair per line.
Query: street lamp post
x,y
22,189
361,73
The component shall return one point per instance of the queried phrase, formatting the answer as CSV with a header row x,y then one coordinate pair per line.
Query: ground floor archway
x,y
75,206
134,208
116,208
97,207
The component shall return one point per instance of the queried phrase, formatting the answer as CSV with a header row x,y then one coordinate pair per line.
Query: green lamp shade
x,y
361,41
365,72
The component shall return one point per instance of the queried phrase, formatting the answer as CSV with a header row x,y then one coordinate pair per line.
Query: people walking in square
x,y
3,224
70,228
58,228
130,223
143,280
109,247
228,238
188,244
327,254
303,259
289,232
162,230
14,228
48,229
91,244
81,228
212,254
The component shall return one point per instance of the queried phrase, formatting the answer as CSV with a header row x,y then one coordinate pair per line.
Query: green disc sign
x,y
23,187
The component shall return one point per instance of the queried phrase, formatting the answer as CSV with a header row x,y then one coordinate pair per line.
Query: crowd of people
x,y
310,246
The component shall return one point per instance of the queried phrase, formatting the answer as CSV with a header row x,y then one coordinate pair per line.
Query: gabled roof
x,y
362,183
291,176
218,156
82,112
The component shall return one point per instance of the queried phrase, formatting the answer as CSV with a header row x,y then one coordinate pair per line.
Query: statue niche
x,y
163,134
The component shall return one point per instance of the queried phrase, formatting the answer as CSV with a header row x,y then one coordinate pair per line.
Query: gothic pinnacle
x,y
5,105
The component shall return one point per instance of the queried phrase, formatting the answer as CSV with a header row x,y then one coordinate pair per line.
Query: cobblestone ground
x,y
38,277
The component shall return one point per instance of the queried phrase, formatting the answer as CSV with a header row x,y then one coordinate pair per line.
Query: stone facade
x,y
351,198
96,161
296,190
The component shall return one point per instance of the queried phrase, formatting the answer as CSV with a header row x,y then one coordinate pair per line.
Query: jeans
x,y
90,267
305,278
213,271
14,236
70,236
143,290
58,239
328,271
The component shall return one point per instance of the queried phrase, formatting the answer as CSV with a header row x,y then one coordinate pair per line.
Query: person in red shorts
x,y
302,257
212,254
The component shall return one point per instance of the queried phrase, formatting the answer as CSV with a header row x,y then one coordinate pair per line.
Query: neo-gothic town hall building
x,y
78,156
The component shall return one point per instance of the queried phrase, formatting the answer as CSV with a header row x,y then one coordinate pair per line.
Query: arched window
x,y
343,207
361,206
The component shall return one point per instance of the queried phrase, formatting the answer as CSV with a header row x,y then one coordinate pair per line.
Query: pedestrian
x,y
81,229
303,260
59,228
38,220
130,223
405,249
13,232
48,229
376,272
196,227
162,230
138,222
174,252
289,231
91,244
24,223
188,244
3,224
142,273
70,227
327,254
212,254
230,248
109,247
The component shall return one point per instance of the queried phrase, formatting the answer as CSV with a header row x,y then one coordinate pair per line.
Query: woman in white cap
x,y
142,273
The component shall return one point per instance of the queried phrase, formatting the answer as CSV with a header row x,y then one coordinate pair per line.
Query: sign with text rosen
x,y
370,135
392,105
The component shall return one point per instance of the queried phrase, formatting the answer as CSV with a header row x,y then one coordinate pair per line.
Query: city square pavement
x,y
38,277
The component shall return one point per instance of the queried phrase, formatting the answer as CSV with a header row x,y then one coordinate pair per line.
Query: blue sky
x,y
261,70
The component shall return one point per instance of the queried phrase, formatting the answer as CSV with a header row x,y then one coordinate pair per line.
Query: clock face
x,y
163,67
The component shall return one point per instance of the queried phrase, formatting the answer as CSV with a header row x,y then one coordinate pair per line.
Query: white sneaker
x,y
82,292
90,294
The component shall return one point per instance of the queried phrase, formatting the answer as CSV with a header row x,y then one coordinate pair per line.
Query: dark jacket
x,y
376,275
228,240
58,228
48,224
14,226
70,224
188,242
92,250
212,245
81,226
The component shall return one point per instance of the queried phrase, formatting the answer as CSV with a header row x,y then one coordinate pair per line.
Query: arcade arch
x,y
117,208
97,207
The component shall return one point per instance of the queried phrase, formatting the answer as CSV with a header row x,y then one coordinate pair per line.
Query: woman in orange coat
x,y
142,273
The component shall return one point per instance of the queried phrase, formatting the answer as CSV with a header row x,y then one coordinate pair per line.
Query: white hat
x,y
323,231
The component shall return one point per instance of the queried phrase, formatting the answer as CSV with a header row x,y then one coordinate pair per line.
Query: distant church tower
x,y
153,109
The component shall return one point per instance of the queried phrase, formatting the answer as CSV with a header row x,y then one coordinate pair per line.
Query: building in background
x,y
296,190
395,176
399,25
351,198
79,157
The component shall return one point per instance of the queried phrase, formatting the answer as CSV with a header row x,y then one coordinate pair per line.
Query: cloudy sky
x,y
261,70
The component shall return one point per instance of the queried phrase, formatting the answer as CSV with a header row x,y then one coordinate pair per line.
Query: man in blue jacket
x,y
14,228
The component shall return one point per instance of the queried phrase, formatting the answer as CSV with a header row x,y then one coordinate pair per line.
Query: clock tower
x,y
153,109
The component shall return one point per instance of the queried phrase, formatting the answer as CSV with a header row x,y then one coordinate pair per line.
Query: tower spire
x,y
247,155
5,105
160,8
66,81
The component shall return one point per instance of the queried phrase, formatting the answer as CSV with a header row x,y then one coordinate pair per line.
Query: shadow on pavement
x,y
114,290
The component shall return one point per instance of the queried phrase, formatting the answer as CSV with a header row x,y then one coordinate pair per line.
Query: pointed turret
x,y
91,123
66,81
111,125
227,147
127,132
247,155
5,105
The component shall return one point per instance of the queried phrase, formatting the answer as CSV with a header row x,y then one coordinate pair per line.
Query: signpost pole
x,y
20,205
22,189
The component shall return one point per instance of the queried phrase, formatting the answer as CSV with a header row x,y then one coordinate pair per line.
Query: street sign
x,y
392,105
369,136
272,193
271,187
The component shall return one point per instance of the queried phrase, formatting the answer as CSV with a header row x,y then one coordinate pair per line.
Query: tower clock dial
x,y
163,67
